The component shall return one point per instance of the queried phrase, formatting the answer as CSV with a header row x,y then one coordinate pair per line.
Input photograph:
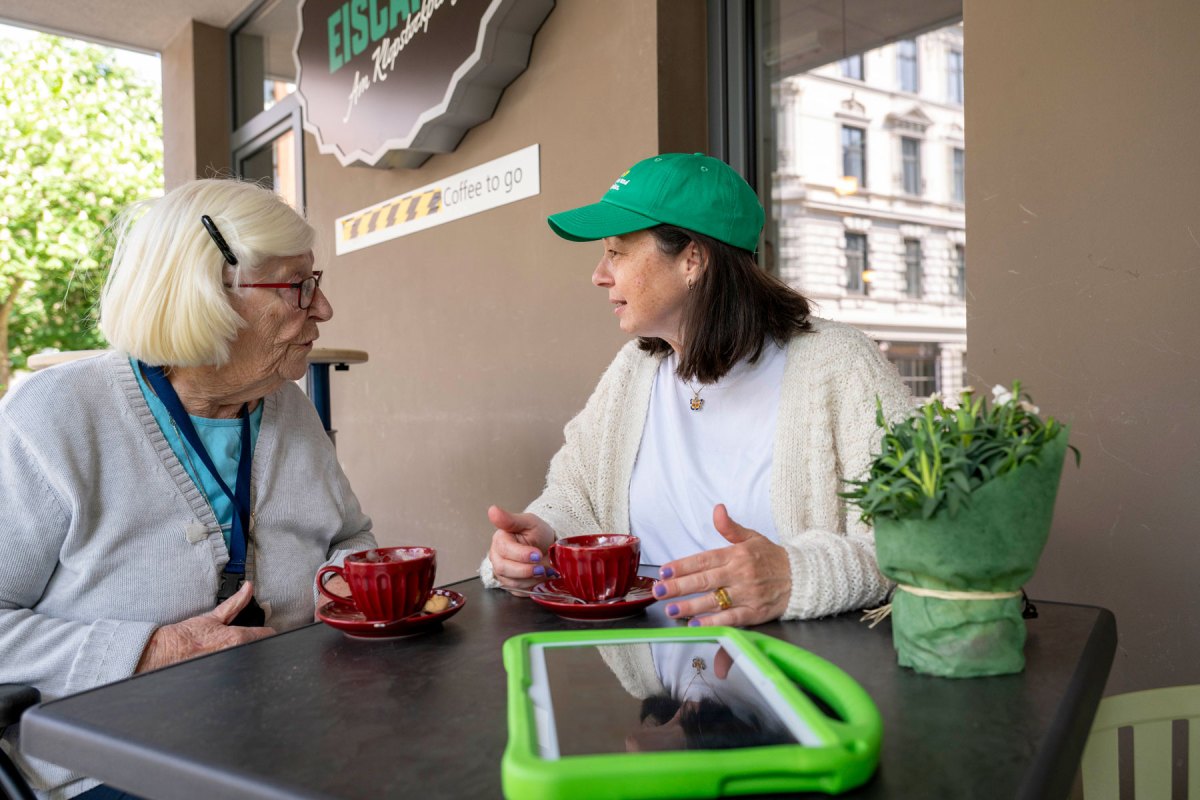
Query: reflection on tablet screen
x,y
660,696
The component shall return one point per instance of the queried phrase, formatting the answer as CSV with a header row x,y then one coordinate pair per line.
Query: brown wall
x,y
485,335
1083,215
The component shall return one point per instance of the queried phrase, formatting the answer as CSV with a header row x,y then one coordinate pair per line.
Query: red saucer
x,y
352,622
593,612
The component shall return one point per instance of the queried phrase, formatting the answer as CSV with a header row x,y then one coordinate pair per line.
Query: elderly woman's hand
x,y
518,552
205,633
754,573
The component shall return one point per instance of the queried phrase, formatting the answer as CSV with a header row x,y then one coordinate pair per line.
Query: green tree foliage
x,y
80,138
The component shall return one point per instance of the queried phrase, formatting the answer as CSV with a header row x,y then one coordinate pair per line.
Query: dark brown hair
x,y
731,309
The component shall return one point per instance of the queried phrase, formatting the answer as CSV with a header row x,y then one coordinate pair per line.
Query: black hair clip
x,y
211,227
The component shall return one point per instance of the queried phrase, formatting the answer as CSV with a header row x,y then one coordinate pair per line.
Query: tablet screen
x,y
654,697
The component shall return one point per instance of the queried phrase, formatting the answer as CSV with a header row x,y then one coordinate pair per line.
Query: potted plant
x,y
961,499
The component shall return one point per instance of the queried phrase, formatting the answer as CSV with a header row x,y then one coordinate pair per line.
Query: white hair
x,y
165,302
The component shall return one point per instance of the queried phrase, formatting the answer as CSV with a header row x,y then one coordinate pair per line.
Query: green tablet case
x,y
846,757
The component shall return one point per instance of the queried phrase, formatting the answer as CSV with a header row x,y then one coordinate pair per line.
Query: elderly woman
x,y
723,434
177,496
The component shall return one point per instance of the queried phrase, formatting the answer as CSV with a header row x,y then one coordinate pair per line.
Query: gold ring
x,y
722,598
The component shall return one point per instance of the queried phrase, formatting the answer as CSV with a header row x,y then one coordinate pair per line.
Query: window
x,y
267,139
954,77
910,153
906,63
917,364
912,267
960,175
852,67
960,270
856,263
854,154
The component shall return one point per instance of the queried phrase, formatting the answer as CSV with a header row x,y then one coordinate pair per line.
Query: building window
x,y
912,267
854,154
910,152
906,63
960,270
856,263
917,364
960,175
852,67
954,77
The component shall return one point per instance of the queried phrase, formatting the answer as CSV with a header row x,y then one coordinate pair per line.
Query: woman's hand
x,y
754,572
518,552
206,633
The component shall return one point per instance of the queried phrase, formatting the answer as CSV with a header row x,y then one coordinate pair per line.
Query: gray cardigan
x,y
105,537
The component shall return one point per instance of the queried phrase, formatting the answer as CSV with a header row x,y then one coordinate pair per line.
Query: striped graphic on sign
x,y
386,215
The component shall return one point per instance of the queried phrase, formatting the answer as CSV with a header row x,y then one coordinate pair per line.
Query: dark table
x,y
313,714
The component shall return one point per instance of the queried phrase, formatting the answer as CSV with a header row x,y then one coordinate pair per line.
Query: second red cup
x,y
387,583
597,566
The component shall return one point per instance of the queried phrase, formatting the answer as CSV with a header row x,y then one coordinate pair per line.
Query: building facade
x,y
868,199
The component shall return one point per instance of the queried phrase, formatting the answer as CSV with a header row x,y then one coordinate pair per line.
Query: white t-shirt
x,y
689,461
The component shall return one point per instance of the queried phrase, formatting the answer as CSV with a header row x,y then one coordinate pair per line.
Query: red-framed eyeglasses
x,y
306,289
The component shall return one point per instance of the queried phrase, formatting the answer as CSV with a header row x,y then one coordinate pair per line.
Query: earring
x,y
690,283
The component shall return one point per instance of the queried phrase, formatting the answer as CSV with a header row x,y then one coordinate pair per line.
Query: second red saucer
x,y
593,612
351,622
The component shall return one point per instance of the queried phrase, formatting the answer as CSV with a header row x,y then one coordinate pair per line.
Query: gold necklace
x,y
697,402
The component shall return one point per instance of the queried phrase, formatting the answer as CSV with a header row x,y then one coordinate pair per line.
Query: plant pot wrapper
x,y
991,546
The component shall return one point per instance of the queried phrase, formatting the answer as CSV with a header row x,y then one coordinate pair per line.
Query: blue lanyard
x,y
241,498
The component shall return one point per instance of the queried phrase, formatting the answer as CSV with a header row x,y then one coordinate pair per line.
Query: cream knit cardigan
x,y
826,432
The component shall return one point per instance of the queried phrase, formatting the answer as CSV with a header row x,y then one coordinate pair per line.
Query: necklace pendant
x,y
697,403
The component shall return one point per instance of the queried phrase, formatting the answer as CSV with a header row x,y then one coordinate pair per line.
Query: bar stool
x,y
319,361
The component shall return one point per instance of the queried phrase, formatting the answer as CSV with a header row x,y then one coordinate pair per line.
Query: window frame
x,y
908,64
849,148
915,187
960,269
914,268
845,66
955,87
855,284
958,174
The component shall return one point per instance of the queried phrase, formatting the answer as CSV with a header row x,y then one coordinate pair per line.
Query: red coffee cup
x,y
387,583
597,566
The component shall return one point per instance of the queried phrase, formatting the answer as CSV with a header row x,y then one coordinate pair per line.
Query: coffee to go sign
x,y
387,83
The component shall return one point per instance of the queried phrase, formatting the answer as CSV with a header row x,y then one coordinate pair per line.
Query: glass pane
x,y
275,165
912,263
852,67
844,191
264,70
906,54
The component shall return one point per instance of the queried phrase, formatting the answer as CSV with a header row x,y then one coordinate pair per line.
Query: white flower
x,y
1030,408
1001,395
935,397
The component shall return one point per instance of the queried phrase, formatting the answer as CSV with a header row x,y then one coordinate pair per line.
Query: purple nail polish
x,y
694,622
672,610
535,556
539,570
660,590
666,572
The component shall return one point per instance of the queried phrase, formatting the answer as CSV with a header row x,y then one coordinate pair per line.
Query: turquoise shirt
x,y
223,440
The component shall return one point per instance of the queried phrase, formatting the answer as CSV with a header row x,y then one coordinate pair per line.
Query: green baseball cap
x,y
697,192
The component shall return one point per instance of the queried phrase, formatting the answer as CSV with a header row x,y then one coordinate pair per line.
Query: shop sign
x,y
497,183
387,83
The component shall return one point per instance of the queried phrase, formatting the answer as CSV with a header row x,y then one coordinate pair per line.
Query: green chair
x,y
1150,714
